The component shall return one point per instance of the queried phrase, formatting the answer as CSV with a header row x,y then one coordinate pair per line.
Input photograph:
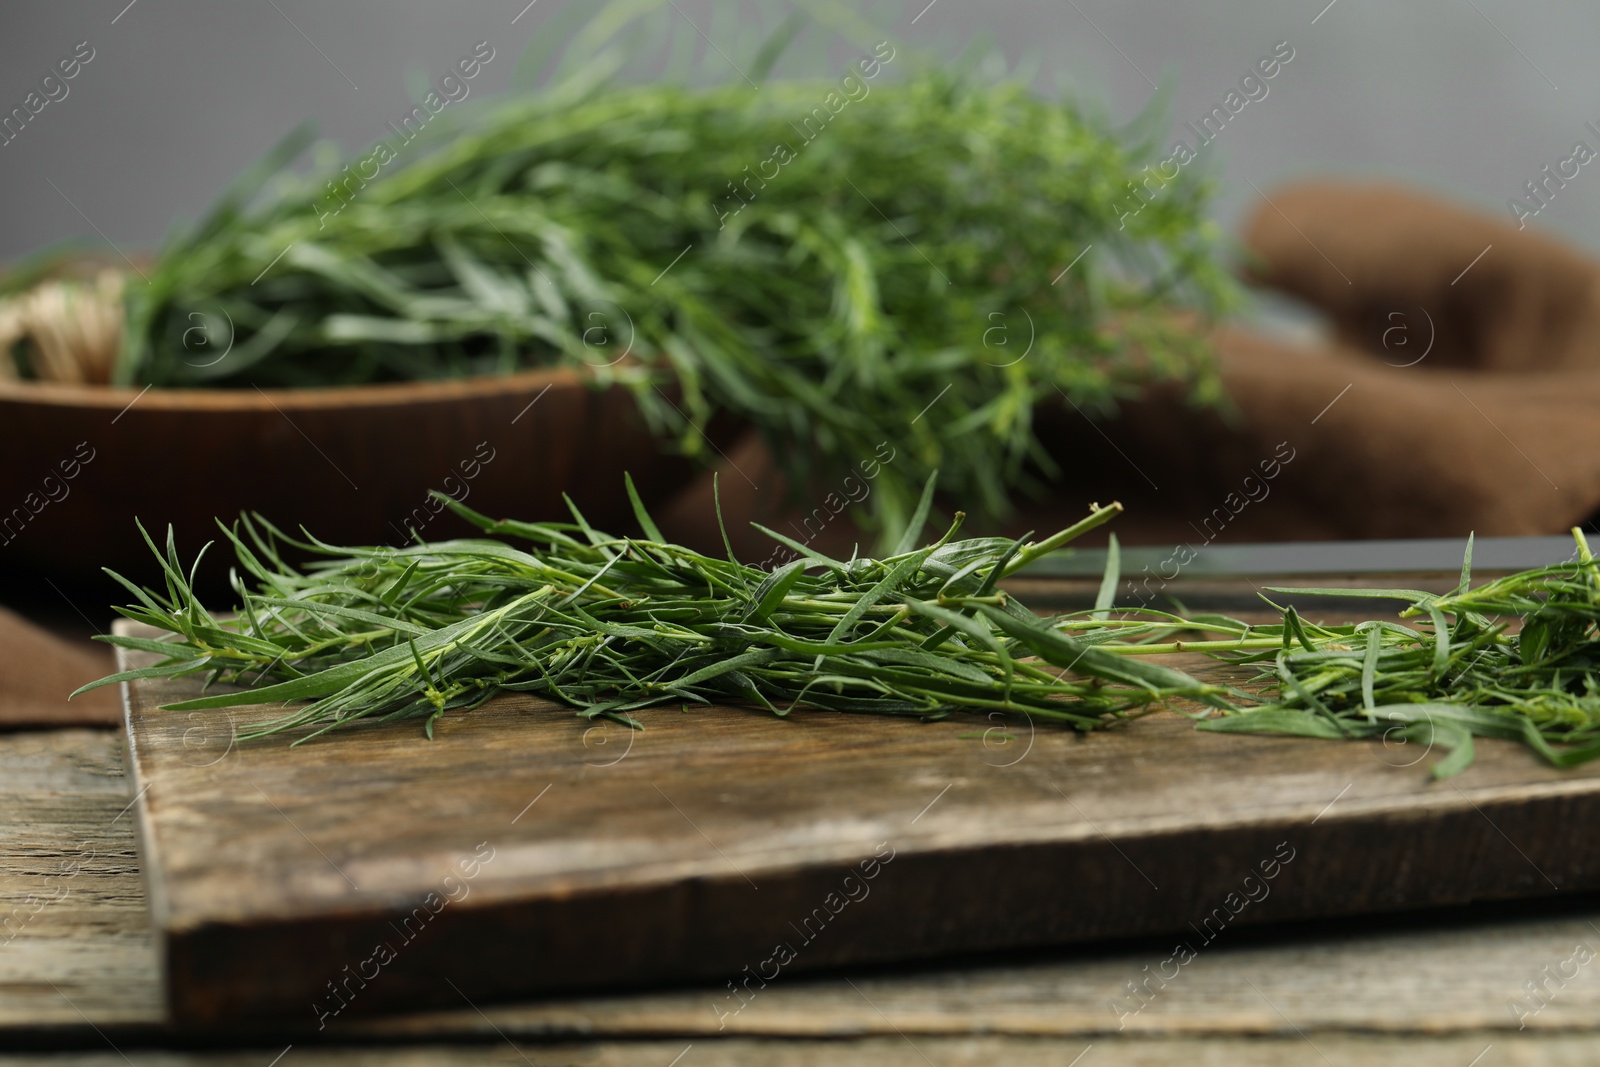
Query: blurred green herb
x,y
821,261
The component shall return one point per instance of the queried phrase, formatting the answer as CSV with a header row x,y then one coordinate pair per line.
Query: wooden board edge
x,y
328,968
148,851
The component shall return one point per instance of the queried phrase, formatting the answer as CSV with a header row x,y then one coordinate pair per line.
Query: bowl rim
x,y
374,395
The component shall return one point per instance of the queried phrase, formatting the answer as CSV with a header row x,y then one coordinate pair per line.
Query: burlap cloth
x,y
37,671
1461,393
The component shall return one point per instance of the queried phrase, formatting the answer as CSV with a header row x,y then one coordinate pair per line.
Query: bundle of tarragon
x,y
612,626
615,625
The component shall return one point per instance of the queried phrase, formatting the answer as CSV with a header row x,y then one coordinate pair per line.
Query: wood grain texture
x,y
1433,993
351,462
1460,976
283,879
1346,1050
75,938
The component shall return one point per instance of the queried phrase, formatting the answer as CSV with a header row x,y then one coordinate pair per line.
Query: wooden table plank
x,y
1346,1050
1451,974
74,925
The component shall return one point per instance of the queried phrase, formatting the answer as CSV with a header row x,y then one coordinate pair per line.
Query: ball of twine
x,y
70,330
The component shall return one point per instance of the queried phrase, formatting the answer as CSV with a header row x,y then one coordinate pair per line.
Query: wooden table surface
x,y
78,981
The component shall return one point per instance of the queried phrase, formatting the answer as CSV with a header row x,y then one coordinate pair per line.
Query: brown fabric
x,y
1496,429
1361,253
38,670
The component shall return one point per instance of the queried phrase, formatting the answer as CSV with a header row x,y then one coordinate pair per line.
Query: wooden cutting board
x,y
524,851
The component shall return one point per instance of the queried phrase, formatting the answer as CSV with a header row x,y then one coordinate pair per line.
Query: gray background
x,y
182,94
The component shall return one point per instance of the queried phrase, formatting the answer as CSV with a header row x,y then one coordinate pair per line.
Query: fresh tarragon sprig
x,y
612,626
1516,658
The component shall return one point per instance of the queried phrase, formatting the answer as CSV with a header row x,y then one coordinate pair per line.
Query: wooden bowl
x,y
353,464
